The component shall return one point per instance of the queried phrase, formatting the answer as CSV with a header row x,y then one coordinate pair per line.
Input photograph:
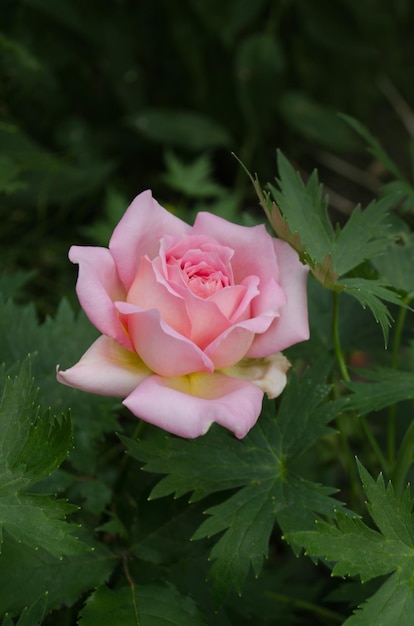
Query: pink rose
x,y
193,319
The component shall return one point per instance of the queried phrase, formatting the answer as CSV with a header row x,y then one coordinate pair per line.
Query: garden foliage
x,y
106,520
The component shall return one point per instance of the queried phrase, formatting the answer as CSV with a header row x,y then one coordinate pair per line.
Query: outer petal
x,y
268,374
161,348
293,325
187,406
98,287
106,369
139,232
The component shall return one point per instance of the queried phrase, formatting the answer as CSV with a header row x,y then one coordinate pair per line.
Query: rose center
x,y
200,263
202,279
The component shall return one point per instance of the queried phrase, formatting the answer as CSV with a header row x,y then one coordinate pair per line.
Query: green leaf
x,y
39,574
318,124
193,179
375,147
43,176
352,548
386,387
391,605
370,293
31,447
61,339
259,466
308,228
147,605
304,209
403,191
364,236
34,614
395,264
302,418
12,284
392,515
181,128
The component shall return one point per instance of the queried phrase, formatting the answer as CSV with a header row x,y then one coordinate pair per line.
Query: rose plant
x,y
193,319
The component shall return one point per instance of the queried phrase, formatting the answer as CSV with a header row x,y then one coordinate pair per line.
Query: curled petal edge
x,y
268,373
106,369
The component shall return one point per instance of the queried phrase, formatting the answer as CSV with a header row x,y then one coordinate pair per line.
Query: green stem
x,y
346,377
123,465
336,340
404,461
321,612
374,445
394,364
349,463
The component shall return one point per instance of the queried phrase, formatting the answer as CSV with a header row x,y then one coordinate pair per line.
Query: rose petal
x,y
107,369
230,346
162,349
98,286
233,344
234,302
269,374
207,321
293,324
187,406
139,233
150,291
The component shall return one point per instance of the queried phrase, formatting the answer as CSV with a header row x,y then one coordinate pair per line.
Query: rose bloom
x,y
193,319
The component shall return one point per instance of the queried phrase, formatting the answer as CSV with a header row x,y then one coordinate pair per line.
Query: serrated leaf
x,y
34,614
391,605
304,209
383,387
395,264
259,466
301,406
248,519
147,605
363,236
352,548
36,520
392,516
58,340
35,573
299,216
192,179
48,443
370,293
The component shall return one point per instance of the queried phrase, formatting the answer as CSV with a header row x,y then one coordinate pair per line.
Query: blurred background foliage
x,y
99,101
